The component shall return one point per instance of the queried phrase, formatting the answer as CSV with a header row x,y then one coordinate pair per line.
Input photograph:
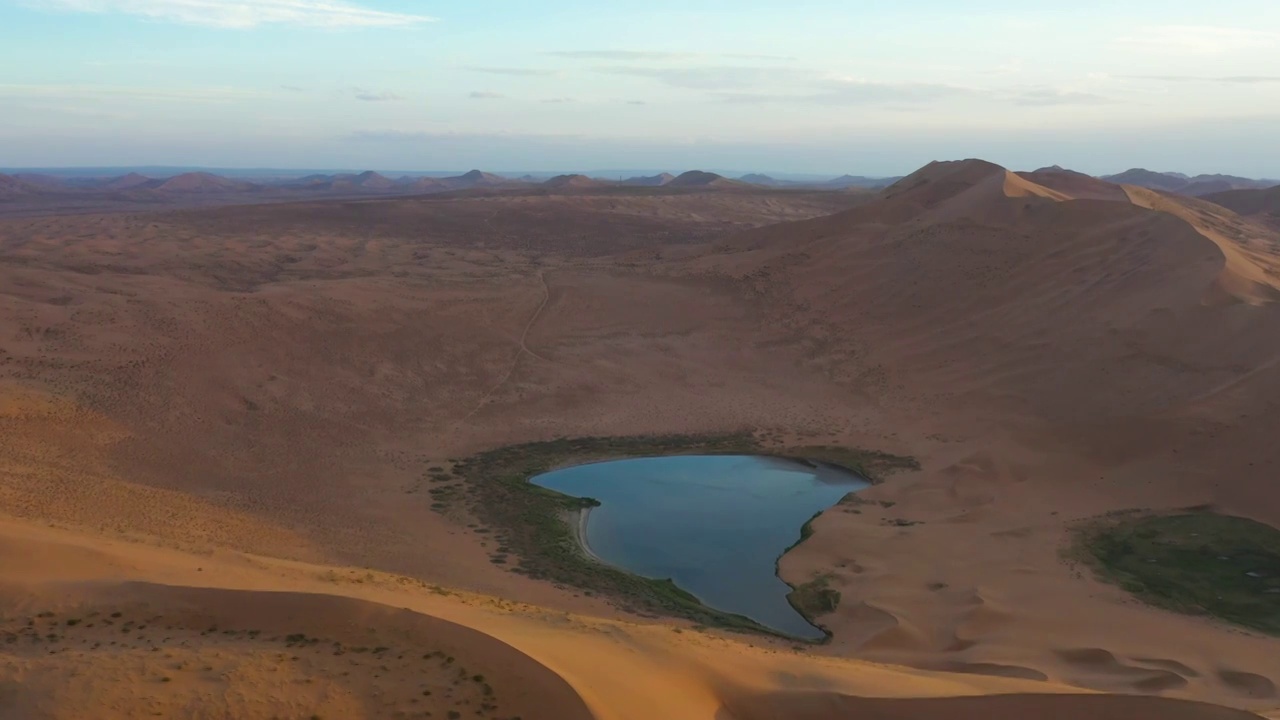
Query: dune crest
x,y
156,628
1017,186
1251,253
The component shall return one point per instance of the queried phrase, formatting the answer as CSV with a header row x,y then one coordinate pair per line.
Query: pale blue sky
x,y
828,86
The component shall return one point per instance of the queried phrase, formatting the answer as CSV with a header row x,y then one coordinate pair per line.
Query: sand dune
x,y
186,388
949,283
313,645
1252,269
201,652
1076,186
108,648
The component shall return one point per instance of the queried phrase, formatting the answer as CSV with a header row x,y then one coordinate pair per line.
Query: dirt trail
x,y
523,348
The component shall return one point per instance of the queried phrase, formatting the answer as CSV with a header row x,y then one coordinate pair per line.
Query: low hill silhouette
x,y
575,181
650,181
1263,202
699,178
1196,186
202,182
475,178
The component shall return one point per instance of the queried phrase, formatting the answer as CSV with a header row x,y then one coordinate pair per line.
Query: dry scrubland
x,y
231,418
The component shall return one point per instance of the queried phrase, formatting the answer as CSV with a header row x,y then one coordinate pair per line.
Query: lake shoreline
x,y
733,568
536,525
578,522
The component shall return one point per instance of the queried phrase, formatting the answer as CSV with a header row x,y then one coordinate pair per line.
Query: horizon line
x,y
595,172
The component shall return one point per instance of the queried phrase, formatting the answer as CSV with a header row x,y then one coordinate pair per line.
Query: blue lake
x,y
714,525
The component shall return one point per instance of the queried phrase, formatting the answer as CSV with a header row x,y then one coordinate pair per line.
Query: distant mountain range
x,y
132,184
1196,186
1262,203
376,182
704,179
844,182
135,185
138,186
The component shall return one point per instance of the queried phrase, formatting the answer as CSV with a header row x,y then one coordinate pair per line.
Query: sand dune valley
x,y
264,451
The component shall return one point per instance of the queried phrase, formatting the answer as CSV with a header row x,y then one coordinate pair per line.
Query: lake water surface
x,y
714,525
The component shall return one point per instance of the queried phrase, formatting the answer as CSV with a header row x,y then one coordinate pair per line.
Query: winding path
x,y
524,348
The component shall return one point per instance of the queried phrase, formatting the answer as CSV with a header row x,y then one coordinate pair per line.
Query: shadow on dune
x,y
830,706
527,687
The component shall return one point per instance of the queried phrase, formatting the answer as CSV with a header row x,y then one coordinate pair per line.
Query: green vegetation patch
x,y
1202,564
534,529
815,598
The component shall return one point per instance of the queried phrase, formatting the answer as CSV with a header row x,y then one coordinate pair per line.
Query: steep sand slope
x,y
1252,270
85,638
212,641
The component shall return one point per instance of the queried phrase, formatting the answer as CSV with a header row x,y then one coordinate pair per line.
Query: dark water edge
x,y
714,525
524,528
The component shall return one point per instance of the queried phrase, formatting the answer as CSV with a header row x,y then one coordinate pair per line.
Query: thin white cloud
x,y
374,95
713,77
95,92
402,136
76,112
1046,97
1012,66
656,56
482,95
122,62
848,91
757,56
633,55
242,14
395,135
1200,39
853,92
514,72
773,85
1224,79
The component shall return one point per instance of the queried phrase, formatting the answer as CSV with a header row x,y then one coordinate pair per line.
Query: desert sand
x,y
225,417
